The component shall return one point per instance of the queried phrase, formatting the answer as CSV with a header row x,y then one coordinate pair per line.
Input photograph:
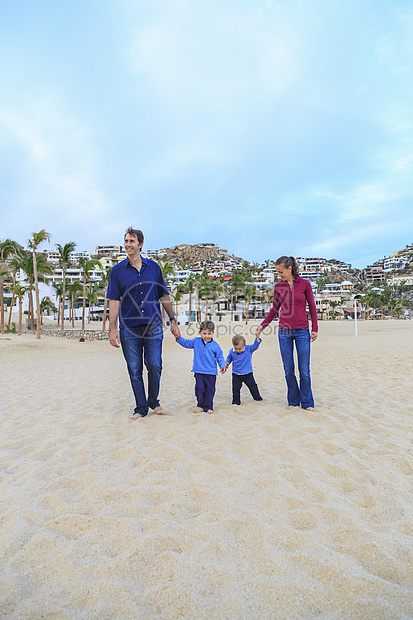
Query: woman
x,y
291,296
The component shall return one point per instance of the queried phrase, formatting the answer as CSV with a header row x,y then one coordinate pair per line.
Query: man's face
x,y
132,245
206,335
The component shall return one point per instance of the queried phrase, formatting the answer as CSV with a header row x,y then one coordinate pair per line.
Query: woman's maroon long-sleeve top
x,y
291,303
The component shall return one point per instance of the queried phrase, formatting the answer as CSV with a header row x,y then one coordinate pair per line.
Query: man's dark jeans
x,y
143,345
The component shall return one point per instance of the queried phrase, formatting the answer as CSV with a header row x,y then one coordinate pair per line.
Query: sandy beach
x,y
254,512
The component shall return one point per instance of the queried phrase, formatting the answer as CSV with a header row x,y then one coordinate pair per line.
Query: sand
x,y
252,512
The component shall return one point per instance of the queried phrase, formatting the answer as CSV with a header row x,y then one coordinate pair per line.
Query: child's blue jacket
x,y
206,355
242,362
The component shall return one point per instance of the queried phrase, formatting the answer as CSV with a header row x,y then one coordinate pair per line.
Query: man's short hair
x,y
238,339
135,233
207,325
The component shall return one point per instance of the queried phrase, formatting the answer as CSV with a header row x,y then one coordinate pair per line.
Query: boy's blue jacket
x,y
242,362
206,355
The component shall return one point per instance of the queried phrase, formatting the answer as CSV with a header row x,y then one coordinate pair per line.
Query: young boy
x,y
241,357
207,354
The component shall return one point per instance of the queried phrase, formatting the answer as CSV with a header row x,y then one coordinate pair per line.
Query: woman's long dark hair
x,y
289,261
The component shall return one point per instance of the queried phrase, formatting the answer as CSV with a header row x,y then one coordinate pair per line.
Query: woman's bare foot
x,y
159,410
135,416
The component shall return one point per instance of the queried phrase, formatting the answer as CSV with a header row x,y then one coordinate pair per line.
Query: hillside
x,y
185,254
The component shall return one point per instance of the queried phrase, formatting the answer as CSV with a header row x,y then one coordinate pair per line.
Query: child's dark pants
x,y
205,390
237,381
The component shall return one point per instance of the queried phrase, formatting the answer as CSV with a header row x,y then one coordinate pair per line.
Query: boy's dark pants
x,y
205,390
237,381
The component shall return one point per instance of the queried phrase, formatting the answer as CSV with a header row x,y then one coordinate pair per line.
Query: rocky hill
x,y
185,255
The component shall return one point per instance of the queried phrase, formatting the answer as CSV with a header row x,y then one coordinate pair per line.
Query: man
x,y
136,286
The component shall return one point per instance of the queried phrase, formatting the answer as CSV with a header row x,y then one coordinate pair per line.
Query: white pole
x,y
355,315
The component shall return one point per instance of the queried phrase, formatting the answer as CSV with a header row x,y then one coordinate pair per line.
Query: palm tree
x,y
333,305
203,287
216,287
58,287
64,262
8,249
177,295
43,269
14,267
167,270
19,292
190,285
36,240
46,304
234,287
104,283
4,275
87,265
249,293
92,295
73,288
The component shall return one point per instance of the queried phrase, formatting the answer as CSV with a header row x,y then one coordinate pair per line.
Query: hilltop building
x,y
373,273
109,249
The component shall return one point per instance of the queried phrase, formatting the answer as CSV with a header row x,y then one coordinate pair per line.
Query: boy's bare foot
x,y
197,410
310,409
135,416
210,411
291,406
159,410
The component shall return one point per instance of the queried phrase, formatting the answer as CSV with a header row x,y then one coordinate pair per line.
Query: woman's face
x,y
285,273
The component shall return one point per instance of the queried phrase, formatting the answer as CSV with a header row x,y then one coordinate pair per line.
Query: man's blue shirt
x,y
206,355
139,292
242,362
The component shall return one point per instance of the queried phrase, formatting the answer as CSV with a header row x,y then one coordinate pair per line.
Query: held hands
x,y
313,336
175,330
223,370
258,331
226,365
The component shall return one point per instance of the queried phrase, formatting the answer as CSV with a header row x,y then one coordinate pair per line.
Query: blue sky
x,y
266,127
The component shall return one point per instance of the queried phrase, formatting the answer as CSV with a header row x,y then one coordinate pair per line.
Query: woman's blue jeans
x,y
301,337
143,345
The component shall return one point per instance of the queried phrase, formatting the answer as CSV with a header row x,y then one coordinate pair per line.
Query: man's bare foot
x,y
159,410
197,410
135,416
310,409
210,411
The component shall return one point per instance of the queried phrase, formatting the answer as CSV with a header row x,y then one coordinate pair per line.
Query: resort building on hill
x,y
314,268
406,253
154,254
373,273
398,280
394,262
110,249
52,256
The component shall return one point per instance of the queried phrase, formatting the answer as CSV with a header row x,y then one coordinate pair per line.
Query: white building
x,y
109,249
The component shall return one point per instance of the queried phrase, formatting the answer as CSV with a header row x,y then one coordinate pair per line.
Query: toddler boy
x,y
241,357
